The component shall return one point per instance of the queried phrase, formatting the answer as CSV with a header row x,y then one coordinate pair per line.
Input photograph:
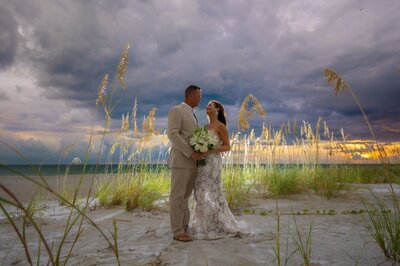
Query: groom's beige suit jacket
x,y
181,124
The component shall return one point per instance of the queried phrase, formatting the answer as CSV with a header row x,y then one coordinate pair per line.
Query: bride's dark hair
x,y
221,112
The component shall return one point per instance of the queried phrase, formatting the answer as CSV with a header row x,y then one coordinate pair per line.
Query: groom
x,y
182,161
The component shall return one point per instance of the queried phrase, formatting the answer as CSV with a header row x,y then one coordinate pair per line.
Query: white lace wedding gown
x,y
212,218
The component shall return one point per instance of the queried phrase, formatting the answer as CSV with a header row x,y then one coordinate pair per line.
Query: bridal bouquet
x,y
203,141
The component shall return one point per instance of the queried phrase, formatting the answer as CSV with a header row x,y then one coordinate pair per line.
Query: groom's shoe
x,y
183,238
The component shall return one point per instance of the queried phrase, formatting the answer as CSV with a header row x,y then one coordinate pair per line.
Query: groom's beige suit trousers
x,y
181,124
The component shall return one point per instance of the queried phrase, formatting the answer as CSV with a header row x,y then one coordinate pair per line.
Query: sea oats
x,y
278,137
76,161
234,140
125,122
108,118
113,147
67,149
123,66
341,85
134,119
310,134
244,115
284,129
283,141
335,79
252,136
295,127
265,134
303,129
148,122
318,127
243,123
101,96
269,134
326,130
342,133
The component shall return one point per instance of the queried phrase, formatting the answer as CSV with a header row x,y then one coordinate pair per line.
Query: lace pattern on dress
x,y
212,218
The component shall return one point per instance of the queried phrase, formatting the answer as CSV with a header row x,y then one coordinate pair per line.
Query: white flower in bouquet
x,y
203,141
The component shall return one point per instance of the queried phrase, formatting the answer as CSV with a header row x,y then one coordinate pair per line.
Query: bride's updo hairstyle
x,y
221,112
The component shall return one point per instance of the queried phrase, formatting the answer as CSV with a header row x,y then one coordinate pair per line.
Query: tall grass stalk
x,y
16,203
38,254
303,247
385,227
115,237
341,85
15,227
277,248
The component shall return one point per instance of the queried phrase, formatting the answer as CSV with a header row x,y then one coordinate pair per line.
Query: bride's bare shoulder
x,y
221,127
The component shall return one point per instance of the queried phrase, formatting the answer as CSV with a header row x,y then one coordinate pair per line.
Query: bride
x,y
212,218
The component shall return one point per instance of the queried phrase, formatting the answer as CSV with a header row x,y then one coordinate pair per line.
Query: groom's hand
x,y
196,156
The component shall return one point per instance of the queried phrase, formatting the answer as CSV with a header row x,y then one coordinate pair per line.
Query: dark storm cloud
x,y
65,48
31,148
273,50
8,37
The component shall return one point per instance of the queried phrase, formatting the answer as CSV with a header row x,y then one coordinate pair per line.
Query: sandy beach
x,y
144,238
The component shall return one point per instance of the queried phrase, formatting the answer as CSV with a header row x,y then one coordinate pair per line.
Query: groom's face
x,y
195,98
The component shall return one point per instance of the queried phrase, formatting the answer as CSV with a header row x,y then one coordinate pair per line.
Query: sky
x,y
53,55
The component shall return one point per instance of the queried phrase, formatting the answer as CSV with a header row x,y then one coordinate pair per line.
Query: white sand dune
x,y
144,238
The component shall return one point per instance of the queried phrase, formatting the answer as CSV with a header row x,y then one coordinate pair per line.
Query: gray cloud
x,y
8,37
31,149
274,50
4,96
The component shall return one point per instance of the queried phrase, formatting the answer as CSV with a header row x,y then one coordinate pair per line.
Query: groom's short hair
x,y
189,90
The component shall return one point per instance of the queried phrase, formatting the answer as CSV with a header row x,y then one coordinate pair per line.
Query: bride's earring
x,y
216,113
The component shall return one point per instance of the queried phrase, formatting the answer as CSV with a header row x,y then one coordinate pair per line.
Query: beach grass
x,y
384,220
57,252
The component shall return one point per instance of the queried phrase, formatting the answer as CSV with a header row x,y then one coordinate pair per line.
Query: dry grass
x,y
384,223
245,115
148,123
123,66
101,96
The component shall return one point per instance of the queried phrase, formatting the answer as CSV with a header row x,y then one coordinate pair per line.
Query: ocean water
x,y
61,170
52,169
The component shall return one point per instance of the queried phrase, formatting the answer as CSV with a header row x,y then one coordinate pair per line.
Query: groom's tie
x,y
195,117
